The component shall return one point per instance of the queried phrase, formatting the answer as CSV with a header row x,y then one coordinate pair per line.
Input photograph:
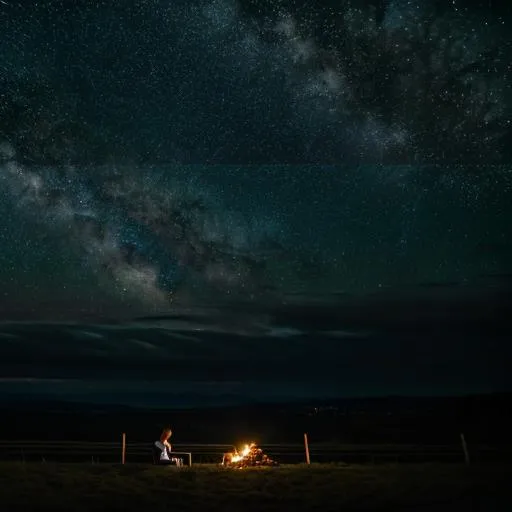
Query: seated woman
x,y
164,446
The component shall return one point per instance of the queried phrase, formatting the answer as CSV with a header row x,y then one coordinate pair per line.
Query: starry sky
x,y
189,186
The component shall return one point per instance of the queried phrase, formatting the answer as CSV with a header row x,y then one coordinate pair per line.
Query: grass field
x,y
425,488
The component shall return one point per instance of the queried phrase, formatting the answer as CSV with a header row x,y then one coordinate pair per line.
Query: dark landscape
x,y
483,419
412,488
394,453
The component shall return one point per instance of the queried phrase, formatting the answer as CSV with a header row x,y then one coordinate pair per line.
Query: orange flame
x,y
238,456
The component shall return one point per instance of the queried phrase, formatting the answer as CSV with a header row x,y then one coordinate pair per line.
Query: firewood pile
x,y
249,456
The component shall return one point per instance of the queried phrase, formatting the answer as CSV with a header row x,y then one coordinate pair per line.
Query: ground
x,y
407,488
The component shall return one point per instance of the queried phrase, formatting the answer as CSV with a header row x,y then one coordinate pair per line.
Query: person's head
x,y
167,431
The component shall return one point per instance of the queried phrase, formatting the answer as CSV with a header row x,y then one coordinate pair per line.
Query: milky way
x,y
224,81
153,236
105,106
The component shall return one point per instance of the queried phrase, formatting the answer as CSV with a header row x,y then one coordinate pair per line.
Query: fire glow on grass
x,y
249,455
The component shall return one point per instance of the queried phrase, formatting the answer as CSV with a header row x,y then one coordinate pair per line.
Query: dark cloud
x,y
452,340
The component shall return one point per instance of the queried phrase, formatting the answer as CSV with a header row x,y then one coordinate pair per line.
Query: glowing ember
x,y
249,455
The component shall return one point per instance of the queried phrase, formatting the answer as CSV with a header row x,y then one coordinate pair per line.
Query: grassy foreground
x,y
324,487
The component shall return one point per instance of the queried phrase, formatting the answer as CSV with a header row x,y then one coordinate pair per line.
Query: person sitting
x,y
163,444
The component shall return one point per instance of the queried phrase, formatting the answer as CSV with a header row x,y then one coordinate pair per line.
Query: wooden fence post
x,y
123,449
465,448
306,446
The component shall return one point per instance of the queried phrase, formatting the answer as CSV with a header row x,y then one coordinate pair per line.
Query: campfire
x,y
250,455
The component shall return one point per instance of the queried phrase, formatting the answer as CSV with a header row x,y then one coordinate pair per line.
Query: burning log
x,y
250,455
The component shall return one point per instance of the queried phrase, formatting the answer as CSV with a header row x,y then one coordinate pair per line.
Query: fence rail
x,y
141,452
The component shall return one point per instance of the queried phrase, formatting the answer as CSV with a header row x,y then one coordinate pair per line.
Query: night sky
x,y
254,199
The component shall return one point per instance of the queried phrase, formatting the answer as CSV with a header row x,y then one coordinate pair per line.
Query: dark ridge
x,y
394,419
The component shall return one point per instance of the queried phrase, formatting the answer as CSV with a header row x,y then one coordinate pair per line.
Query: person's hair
x,y
167,429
